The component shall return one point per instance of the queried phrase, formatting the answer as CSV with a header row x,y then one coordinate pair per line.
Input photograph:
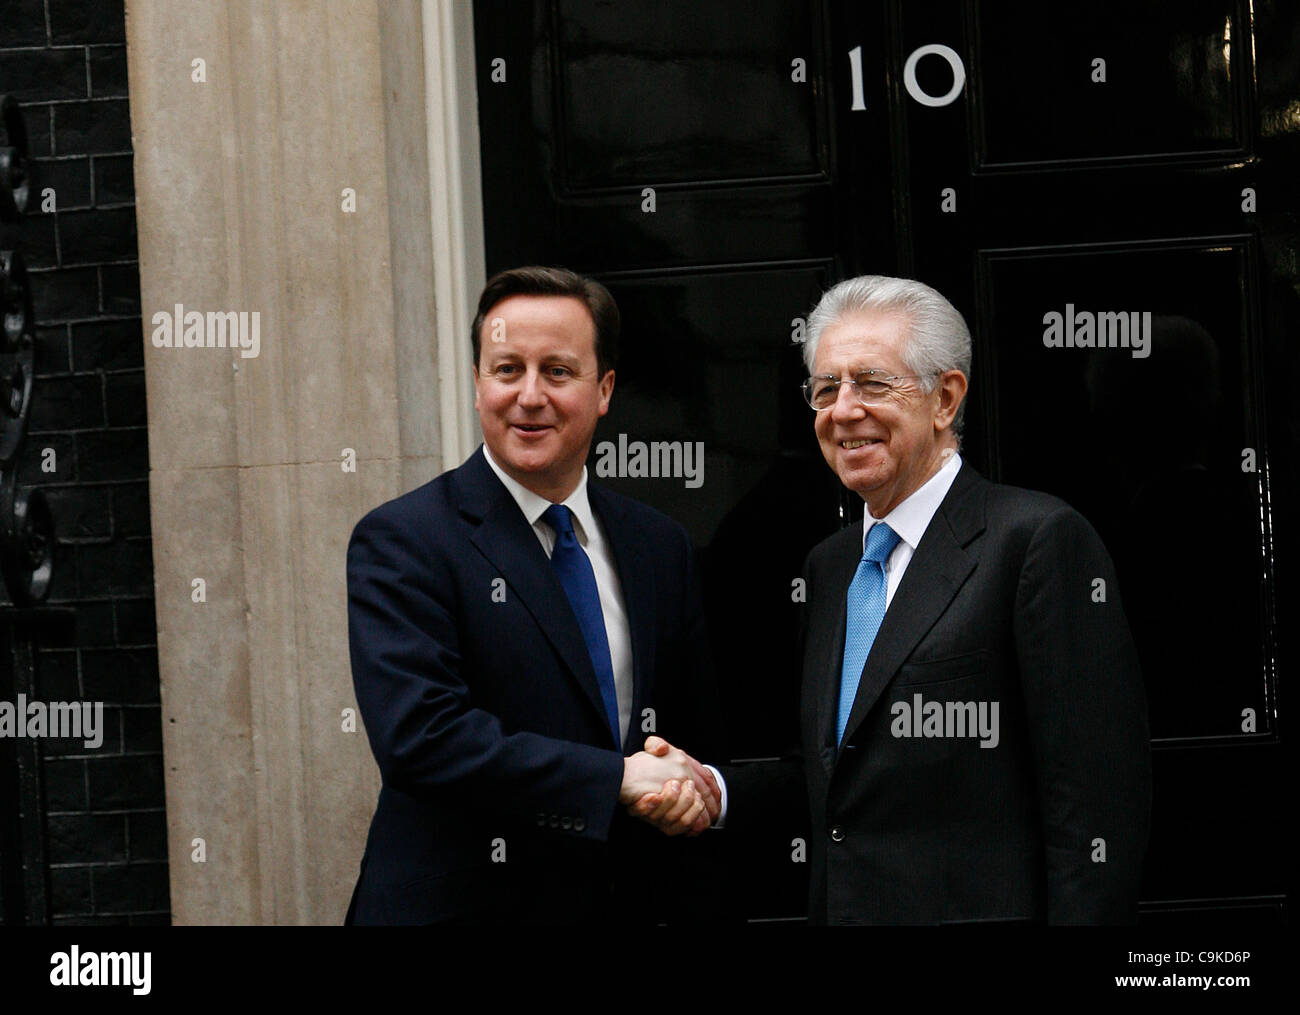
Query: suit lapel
x,y
938,568
636,577
509,543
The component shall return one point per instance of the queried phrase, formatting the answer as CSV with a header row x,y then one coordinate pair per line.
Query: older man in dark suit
x,y
973,724
512,627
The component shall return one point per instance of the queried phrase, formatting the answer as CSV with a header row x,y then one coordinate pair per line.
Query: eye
x,y
506,370
559,373
824,389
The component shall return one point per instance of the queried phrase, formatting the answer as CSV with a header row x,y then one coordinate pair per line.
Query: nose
x,y
532,392
847,408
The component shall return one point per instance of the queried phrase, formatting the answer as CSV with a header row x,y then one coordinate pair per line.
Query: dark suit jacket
x,y
500,774
996,604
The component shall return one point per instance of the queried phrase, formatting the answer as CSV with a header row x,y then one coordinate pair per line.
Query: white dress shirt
x,y
910,520
591,537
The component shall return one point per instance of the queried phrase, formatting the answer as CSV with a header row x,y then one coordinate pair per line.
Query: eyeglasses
x,y
871,387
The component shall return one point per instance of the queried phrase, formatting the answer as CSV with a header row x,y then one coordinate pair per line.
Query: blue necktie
x,y
865,611
573,567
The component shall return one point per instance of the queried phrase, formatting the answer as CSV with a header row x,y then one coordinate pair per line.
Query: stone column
x,y
245,166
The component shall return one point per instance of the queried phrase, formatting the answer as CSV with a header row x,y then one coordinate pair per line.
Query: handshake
x,y
669,789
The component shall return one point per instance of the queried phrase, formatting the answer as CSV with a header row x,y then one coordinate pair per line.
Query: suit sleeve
x,y
427,737
1087,713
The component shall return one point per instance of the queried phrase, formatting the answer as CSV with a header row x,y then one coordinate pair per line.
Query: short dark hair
x,y
535,280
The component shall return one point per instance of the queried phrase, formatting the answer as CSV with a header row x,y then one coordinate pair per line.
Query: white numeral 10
x,y
909,76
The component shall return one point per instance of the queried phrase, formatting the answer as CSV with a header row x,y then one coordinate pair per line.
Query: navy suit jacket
x,y
999,603
500,773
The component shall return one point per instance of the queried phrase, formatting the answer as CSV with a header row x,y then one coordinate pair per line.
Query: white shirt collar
x,y
534,505
912,517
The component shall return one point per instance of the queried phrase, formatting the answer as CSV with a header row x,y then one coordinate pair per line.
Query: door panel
x,y
1173,85
1147,441
649,93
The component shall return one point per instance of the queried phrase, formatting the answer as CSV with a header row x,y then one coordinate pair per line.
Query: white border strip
x,y
456,212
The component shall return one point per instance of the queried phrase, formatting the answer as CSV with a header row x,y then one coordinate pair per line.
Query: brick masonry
x,y
65,63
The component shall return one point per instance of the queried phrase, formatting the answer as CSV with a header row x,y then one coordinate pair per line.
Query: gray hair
x,y
937,336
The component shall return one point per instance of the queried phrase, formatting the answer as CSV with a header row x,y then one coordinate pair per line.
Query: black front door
x,y
1104,189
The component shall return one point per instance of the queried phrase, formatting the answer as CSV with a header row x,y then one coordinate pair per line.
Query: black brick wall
x,y
65,63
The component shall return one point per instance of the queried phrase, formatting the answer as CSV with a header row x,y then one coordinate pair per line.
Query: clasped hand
x,y
666,787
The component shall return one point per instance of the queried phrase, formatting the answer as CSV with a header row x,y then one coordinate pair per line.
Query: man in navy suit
x,y
973,726
515,633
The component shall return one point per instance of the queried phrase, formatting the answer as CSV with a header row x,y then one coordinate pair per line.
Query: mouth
x,y
530,430
852,445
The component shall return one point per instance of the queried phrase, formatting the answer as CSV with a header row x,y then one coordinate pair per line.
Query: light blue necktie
x,y
573,568
865,611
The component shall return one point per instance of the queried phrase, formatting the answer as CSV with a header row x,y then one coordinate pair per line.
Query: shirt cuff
x,y
722,805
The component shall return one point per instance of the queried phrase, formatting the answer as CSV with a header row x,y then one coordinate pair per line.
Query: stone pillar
x,y
243,164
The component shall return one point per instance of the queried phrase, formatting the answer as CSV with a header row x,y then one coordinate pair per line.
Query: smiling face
x,y
883,452
538,390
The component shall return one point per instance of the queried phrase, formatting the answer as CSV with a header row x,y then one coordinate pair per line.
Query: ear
x,y
606,387
951,390
475,369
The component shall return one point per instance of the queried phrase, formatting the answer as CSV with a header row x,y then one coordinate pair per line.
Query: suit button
x,y
579,824
566,822
837,833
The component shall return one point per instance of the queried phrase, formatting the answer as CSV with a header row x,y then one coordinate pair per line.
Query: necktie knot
x,y
880,542
559,518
